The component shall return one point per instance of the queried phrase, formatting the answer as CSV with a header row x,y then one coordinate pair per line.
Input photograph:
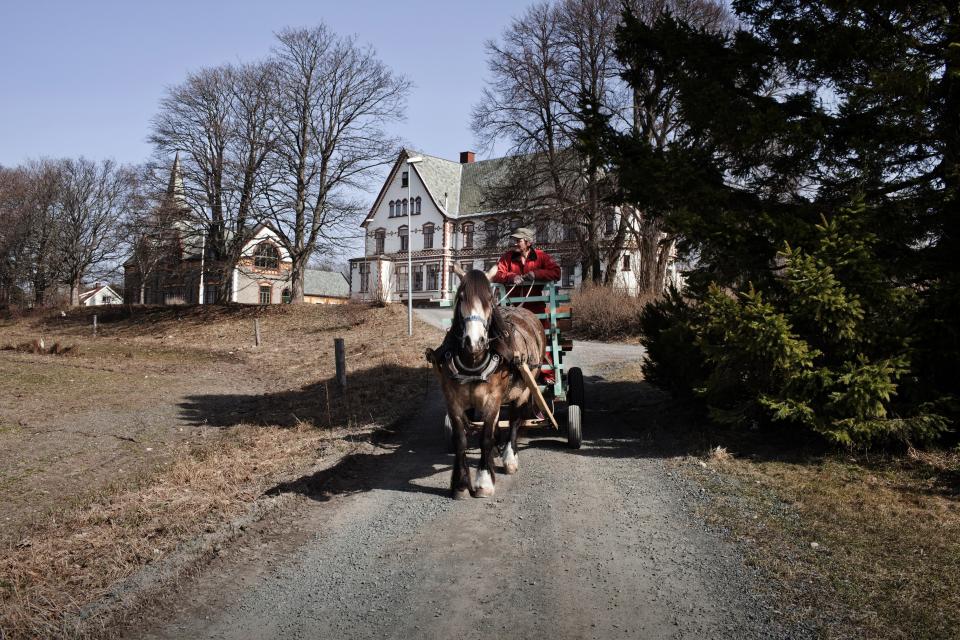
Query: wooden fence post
x,y
341,361
94,325
256,332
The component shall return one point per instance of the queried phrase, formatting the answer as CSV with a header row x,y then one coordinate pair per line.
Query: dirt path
x,y
596,543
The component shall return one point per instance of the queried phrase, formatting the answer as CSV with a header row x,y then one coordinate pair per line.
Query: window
x,y
626,262
266,256
392,214
492,233
379,235
569,232
210,293
609,224
405,179
265,294
542,236
401,278
418,206
566,274
468,235
404,237
404,206
364,277
418,277
428,236
285,297
433,277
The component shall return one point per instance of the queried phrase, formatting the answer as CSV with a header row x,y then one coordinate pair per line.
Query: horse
x,y
478,367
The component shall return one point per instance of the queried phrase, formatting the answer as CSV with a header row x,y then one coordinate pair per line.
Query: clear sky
x,y
84,77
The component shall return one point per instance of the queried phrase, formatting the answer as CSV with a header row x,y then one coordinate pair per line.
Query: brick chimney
x,y
466,157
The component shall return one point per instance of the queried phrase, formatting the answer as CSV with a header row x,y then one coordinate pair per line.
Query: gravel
x,y
597,543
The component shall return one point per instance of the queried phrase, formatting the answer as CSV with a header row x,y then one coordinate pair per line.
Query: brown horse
x,y
477,366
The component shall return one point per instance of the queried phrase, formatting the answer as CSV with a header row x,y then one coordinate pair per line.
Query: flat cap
x,y
523,233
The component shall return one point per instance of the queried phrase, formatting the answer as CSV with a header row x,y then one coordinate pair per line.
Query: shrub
x,y
825,350
604,313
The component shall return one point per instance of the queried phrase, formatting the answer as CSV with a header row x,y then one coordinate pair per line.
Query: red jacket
x,y
538,262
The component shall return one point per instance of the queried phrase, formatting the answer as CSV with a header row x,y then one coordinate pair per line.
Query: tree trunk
x,y
75,292
296,282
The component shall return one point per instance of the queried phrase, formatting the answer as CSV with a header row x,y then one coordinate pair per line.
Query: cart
x,y
564,397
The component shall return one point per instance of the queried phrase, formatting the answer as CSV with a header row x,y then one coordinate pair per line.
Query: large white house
x,y
437,208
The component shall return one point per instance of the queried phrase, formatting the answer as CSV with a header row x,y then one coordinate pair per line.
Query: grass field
x,y
168,424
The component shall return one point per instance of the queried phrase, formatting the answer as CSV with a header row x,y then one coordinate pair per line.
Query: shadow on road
x,y
622,419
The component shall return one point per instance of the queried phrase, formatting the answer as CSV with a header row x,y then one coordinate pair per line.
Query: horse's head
x,y
474,313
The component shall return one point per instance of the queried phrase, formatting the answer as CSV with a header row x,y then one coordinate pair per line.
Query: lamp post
x,y
410,163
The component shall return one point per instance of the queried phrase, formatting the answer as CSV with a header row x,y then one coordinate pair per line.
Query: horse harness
x,y
457,370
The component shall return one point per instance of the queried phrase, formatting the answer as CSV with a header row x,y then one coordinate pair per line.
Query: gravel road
x,y
595,543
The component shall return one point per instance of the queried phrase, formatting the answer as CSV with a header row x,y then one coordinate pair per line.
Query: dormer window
x,y
416,210
404,206
392,214
266,256
405,179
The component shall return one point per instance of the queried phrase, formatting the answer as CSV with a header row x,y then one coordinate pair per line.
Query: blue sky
x,y
85,77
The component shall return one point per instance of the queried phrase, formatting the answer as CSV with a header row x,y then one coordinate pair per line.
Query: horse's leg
x,y
460,485
486,478
510,461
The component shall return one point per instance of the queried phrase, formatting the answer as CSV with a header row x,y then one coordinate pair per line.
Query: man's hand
x,y
517,279
529,277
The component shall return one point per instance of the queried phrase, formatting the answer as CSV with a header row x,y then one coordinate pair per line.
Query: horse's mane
x,y
475,284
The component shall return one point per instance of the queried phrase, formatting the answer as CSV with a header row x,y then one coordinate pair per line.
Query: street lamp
x,y
410,163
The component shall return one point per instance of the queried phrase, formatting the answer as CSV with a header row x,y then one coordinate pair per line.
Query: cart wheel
x,y
574,407
448,433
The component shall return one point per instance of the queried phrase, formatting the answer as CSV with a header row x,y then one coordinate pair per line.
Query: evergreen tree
x,y
803,111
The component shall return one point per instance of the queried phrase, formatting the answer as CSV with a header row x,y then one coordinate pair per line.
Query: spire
x,y
175,185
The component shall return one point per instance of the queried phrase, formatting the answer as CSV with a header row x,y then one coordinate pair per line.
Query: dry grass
x,y
60,562
603,313
869,544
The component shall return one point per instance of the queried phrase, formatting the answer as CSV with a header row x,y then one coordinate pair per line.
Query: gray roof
x,y
325,283
441,177
478,178
468,185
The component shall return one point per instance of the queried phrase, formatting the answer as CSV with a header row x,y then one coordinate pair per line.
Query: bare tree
x,y
333,98
553,60
221,122
44,222
15,190
94,198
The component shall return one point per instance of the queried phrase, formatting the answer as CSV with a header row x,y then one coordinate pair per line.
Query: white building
x,y
437,207
101,294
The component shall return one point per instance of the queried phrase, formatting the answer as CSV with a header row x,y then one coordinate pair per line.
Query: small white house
x,y
101,294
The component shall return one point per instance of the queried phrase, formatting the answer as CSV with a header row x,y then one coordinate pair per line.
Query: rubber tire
x,y
573,426
448,434
574,408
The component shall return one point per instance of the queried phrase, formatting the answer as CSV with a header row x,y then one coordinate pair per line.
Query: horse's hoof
x,y
484,492
510,469
460,494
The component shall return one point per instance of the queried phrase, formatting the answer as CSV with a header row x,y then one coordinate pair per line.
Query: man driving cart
x,y
521,266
